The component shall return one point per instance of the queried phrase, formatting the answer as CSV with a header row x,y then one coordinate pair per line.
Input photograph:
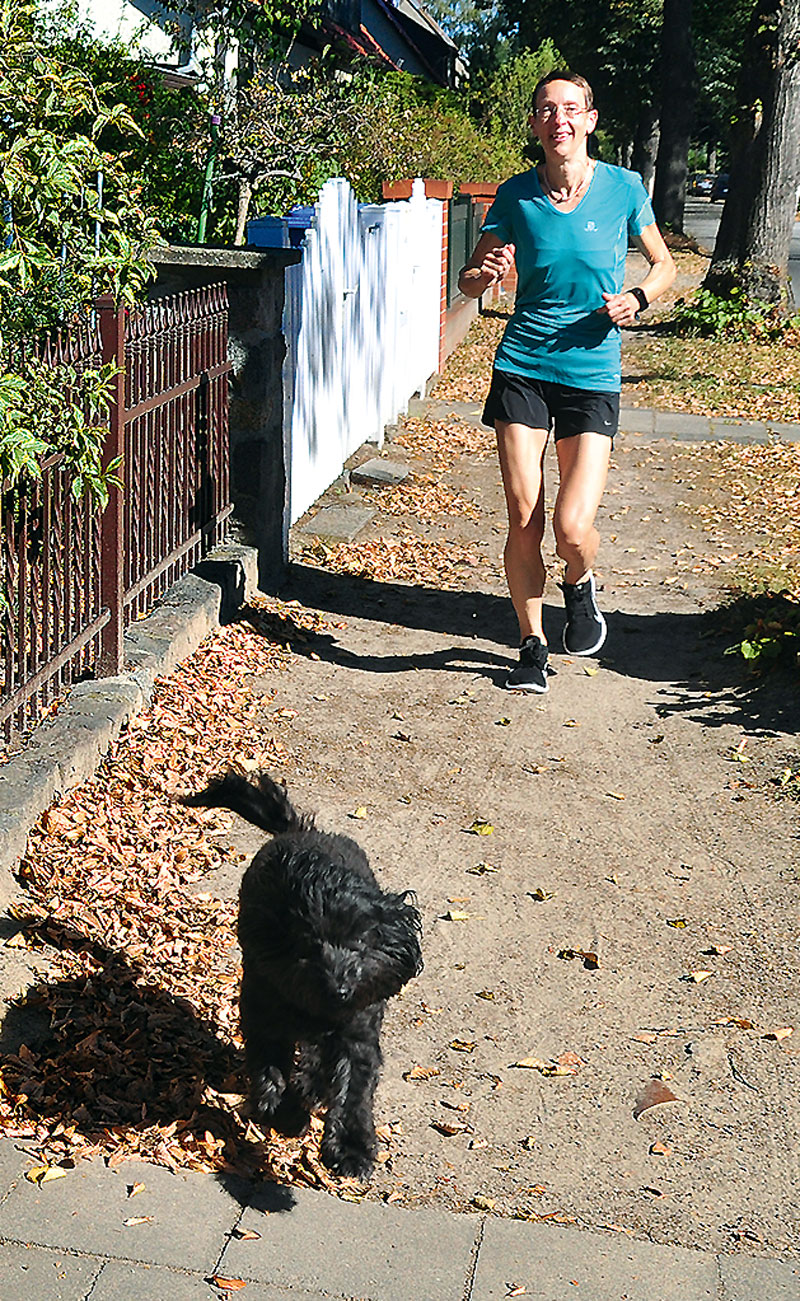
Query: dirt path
x,y
635,816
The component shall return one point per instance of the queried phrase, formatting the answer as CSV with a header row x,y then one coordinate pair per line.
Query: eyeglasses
x,y
570,111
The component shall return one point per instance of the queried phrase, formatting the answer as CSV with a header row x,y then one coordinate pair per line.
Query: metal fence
x,y
74,577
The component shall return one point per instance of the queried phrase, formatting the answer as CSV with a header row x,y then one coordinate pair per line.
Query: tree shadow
x,y
681,653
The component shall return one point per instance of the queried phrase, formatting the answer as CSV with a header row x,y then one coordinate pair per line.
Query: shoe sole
x,y
535,691
590,650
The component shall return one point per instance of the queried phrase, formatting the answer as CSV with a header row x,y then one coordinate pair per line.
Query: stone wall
x,y
256,347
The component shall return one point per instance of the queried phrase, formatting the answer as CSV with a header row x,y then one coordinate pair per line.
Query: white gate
x,y
361,323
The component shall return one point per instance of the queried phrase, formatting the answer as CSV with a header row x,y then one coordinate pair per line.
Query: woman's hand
x,y
489,264
498,262
622,308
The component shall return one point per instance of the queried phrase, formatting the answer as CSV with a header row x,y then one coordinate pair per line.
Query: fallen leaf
x,y
477,1144
480,828
616,795
697,977
455,1106
449,1127
246,1235
590,960
528,1142
484,1203
503,722
456,915
719,950
645,1037
654,1093
590,670
133,1189
228,1284
678,922
421,1073
43,1174
659,1149
480,869
571,722
360,812
138,1219
516,1289
783,1033
540,895
463,1045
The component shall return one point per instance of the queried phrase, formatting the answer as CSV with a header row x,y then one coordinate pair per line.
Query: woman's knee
x,y
572,527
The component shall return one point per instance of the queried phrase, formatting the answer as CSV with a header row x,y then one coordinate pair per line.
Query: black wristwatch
x,y
641,298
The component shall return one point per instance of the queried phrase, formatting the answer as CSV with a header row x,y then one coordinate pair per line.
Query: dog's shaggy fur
x,y
323,947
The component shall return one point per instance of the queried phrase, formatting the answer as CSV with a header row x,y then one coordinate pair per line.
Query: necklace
x,y
561,195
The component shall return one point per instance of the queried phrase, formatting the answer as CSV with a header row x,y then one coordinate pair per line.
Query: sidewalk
x,y
69,1241
402,653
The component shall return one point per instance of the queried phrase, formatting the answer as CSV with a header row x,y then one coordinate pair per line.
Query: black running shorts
x,y
541,404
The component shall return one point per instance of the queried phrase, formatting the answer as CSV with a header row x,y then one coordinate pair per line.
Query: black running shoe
x,y
585,629
531,672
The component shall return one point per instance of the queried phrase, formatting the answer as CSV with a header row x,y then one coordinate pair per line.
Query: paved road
x,y
702,220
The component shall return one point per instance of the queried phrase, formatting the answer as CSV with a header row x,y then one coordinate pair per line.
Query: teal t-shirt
x,y
565,261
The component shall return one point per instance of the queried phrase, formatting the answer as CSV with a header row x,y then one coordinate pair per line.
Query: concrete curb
x,y
67,749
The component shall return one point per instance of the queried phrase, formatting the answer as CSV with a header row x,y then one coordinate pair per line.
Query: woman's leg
x,y
583,467
521,451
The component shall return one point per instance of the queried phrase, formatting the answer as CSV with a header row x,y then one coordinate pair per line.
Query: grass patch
x,y
731,379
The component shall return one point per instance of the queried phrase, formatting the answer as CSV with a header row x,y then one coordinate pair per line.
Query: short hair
x,y
562,75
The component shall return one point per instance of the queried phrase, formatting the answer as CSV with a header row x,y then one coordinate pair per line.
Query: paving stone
x,y
13,1165
746,1278
380,473
337,523
36,1274
123,1282
637,420
192,1214
351,1249
545,1261
679,424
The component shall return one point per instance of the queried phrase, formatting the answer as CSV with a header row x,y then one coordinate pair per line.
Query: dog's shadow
x,y
113,1058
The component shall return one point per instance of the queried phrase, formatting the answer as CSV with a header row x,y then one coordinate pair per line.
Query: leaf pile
x,y
404,558
444,441
142,1055
752,490
424,497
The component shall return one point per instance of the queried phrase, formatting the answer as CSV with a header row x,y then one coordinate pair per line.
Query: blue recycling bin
x,y
268,232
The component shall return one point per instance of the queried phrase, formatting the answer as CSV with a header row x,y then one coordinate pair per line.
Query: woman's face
x,y
561,120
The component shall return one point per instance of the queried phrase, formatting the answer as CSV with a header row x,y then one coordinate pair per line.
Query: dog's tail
x,y
261,801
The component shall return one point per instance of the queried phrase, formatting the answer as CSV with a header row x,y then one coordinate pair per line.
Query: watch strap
x,y
641,298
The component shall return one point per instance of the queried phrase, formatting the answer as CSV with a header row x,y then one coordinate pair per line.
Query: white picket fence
x,y
361,324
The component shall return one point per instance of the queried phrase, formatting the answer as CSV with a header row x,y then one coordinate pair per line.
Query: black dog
x,y
323,947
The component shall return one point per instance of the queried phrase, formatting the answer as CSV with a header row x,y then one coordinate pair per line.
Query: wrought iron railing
x,y
74,577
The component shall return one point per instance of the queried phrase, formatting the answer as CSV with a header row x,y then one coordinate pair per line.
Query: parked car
x,y
702,183
719,189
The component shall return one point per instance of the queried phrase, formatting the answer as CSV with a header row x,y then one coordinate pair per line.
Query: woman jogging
x,y
566,224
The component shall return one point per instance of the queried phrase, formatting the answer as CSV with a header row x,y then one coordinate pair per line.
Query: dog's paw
x,y
350,1160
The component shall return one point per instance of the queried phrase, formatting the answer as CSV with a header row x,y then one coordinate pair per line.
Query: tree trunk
x,y
242,209
677,113
645,145
752,248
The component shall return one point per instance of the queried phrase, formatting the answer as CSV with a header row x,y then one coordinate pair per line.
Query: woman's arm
x,y
489,264
622,308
